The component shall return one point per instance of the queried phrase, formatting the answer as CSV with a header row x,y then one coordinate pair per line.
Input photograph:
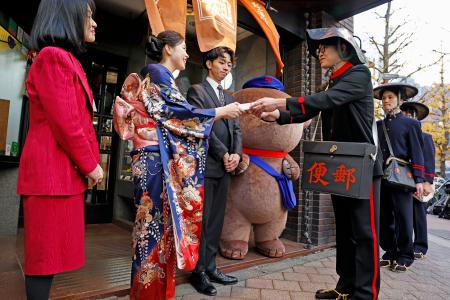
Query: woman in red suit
x,y
61,150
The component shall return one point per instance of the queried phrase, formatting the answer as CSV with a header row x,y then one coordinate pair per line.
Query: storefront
x,y
121,35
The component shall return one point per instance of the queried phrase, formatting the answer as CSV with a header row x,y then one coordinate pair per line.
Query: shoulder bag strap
x,y
388,140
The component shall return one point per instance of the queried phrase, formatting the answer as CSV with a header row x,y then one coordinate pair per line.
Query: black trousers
x,y
216,191
396,225
357,260
420,227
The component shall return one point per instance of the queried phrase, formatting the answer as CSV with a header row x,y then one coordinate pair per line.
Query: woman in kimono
x,y
170,140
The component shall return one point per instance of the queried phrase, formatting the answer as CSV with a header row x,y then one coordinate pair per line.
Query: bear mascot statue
x,y
263,181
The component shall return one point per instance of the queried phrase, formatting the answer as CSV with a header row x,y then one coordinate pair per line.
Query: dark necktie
x,y
221,95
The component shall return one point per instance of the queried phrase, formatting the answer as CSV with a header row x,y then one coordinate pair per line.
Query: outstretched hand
x,y
270,116
267,104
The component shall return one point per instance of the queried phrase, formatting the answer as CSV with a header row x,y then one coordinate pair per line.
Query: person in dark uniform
x,y
396,208
224,154
347,110
420,111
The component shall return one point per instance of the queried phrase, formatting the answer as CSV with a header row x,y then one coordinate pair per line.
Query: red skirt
x,y
53,234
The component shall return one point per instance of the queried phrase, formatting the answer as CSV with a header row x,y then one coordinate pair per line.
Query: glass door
x,y
105,73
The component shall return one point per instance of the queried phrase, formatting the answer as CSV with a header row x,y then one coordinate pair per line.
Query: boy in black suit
x,y
224,154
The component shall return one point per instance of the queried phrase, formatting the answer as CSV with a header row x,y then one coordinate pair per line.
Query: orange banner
x,y
215,23
167,15
259,12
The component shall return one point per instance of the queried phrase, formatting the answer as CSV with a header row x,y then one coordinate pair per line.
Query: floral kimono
x,y
168,170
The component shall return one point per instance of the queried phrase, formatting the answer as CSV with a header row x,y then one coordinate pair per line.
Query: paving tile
x,y
286,285
306,270
311,286
428,296
195,297
296,276
302,296
277,275
392,294
275,295
289,270
329,264
314,264
224,290
327,271
321,278
260,283
246,293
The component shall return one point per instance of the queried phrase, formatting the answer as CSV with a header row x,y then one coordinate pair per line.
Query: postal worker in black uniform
x,y
347,110
224,154
396,207
420,111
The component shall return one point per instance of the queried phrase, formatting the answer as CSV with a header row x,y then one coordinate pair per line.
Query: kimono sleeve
x,y
122,119
174,113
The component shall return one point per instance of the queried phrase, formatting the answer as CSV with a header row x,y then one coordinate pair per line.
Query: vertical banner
x,y
259,12
215,23
167,15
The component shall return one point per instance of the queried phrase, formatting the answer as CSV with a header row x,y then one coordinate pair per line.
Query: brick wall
x,y
303,75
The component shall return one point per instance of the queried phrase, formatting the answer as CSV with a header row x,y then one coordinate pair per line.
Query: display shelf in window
x,y
107,126
105,142
125,166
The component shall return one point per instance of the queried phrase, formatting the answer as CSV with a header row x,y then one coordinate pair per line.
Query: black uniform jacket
x,y
429,152
347,108
406,139
226,134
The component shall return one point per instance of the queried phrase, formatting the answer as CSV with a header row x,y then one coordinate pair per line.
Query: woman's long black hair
x,y
61,23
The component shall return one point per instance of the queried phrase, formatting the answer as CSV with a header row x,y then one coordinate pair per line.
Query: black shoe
x,y
386,262
419,255
399,268
201,283
221,278
331,294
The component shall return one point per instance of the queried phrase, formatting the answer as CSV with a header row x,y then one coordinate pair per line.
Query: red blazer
x,y
61,146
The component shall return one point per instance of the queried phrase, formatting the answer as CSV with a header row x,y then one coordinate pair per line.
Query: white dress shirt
x,y
214,85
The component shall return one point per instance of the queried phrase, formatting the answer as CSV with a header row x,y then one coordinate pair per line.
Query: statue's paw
x,y
233,249
274,248
287,170
243,165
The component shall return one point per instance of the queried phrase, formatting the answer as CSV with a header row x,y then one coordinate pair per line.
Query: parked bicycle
x,y
438,205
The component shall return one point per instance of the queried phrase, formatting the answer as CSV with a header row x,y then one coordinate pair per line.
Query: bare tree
x,y
390,48
438,123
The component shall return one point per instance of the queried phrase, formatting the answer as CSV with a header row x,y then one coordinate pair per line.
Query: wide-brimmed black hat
x,y
316,35
421,109
406,90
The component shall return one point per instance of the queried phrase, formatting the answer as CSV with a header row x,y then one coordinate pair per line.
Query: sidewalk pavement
x,y
299,278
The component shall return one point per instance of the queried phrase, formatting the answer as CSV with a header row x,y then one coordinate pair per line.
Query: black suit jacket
x,y
224,131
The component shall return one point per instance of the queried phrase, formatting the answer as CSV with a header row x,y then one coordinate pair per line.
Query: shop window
x,y
13,62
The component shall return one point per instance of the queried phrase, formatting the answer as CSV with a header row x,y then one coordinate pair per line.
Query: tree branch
x,y
421,67
392,33
377,45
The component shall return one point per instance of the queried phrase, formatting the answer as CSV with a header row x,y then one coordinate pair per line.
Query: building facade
x,y
119,50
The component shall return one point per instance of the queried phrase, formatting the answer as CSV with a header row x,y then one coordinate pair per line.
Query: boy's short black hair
x,y
61,23
217,52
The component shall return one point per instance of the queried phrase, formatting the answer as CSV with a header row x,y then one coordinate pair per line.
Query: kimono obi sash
x,y
151,148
